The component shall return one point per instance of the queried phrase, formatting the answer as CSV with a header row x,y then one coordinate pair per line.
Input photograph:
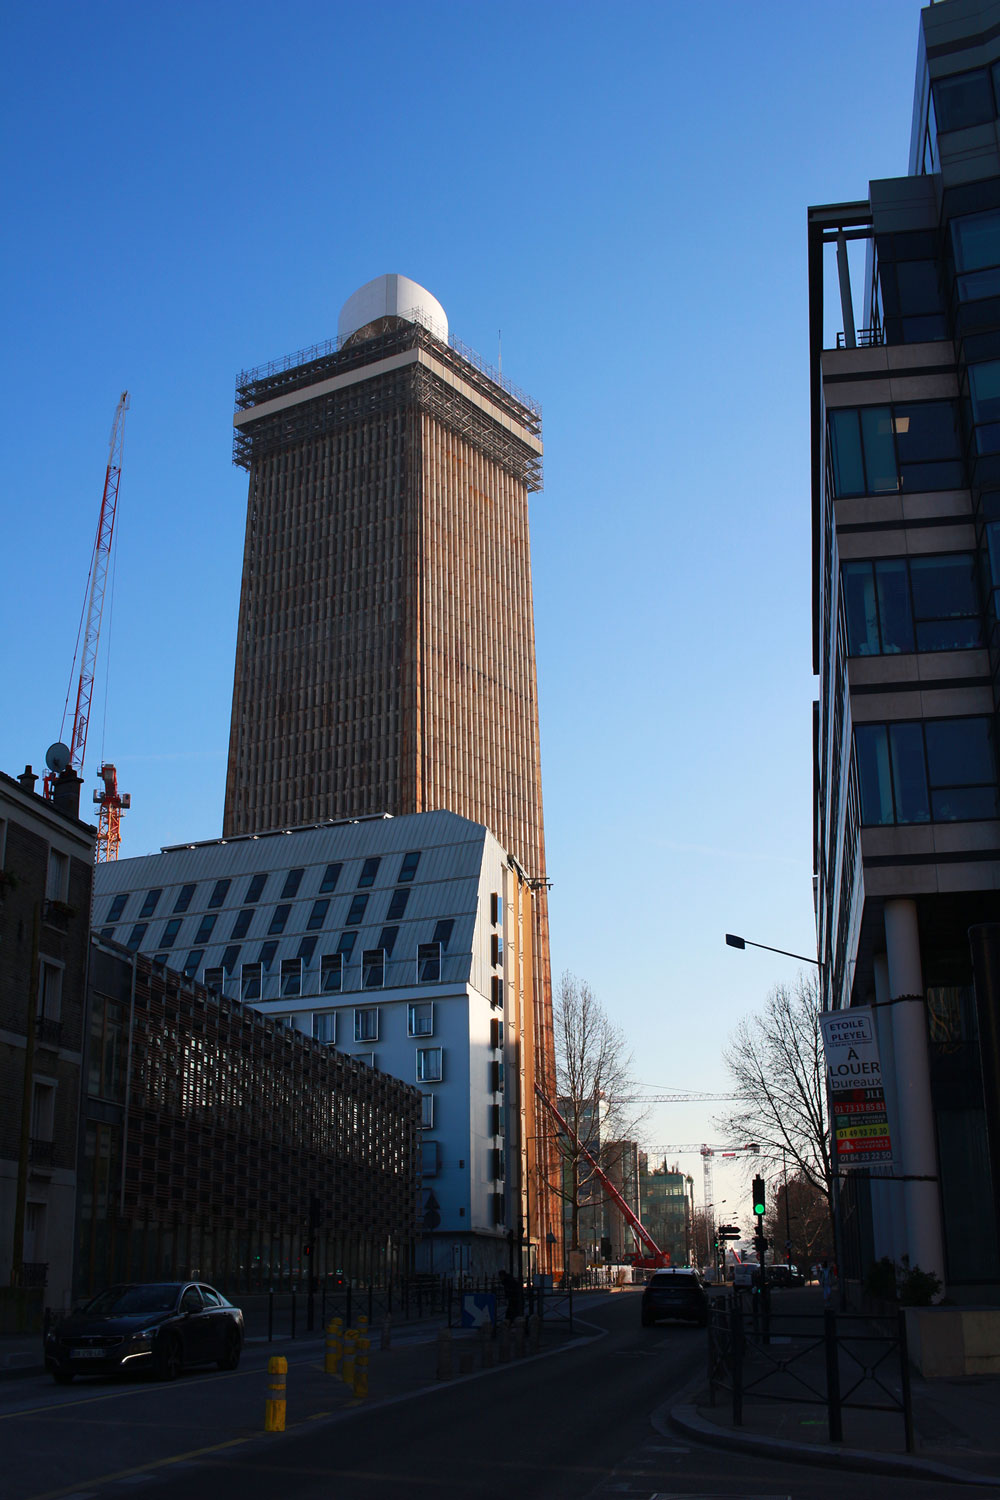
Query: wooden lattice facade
x,y
219,1143
386,655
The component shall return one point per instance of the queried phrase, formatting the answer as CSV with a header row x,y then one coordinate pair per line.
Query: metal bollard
x,y
503,1343
274,1407
534,1332
386,1339
444,1363
334,1345
518,1338
487,1348
361,1369
362,1326
350,1352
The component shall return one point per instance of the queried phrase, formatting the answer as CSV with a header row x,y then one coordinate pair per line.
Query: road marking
x,y
141,1470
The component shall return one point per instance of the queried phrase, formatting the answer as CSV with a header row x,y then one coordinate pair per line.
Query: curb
x,y
684,1417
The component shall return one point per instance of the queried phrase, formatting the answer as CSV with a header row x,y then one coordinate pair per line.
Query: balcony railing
x,y
40,1153
867,338
48,1033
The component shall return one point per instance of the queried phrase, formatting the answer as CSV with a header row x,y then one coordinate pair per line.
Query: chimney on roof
x,y
27,779
66,793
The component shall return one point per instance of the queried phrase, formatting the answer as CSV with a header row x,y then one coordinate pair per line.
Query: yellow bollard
x,y
334,1345
274,1407
361,1369
350,1350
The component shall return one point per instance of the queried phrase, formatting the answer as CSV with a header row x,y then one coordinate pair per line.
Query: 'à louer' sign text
x,y
857,1099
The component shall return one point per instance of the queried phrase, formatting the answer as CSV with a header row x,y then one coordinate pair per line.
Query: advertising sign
x,y
857,1099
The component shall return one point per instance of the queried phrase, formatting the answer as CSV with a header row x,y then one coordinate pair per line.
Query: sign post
x,y
859,1119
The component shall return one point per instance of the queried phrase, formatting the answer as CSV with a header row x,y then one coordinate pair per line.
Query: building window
x,y
136,936
429,963
368,1058
291,977
330,877
229,957
939,770
148,907
214,980
427,1111
912,604
184,898
366,1024
430,1159
878,450
429,1065
496,910
324,1026
496,1034
255,888
250,981
57,879
49,990
307,948
318,914
292,882
964,99
357,911
496,949
205,927
170,932
443,931
496,1076
420,1018
242,923
496,991
267,952
387,939
373,968
397,904
219,892
408,868
278,918
976,242
117,906
193,962
368,872
331,973
346,946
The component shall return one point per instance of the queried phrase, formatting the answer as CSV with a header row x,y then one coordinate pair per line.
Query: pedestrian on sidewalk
x,y
826,1282
514,1292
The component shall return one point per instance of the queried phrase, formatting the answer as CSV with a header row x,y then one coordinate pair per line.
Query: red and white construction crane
x,y
110,802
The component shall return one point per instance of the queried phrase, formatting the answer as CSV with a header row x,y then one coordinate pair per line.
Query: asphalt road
x,y
582,1423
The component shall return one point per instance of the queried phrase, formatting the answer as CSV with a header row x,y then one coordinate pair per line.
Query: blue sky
x,y
622,191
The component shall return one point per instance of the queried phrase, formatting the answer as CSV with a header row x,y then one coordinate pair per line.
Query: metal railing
x,y
838,1360
867,338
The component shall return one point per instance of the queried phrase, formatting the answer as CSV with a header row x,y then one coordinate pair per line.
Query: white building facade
x,y
404,942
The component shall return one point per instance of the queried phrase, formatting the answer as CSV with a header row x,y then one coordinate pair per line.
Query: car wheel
x,y
167,1360
234,1348
62,1377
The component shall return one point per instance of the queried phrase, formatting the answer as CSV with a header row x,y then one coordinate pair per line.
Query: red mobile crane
x,y
656,1256
111,803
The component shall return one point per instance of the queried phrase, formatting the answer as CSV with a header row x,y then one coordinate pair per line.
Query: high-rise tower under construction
x,y
385,658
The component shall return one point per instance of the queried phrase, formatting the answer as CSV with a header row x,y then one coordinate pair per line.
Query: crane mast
x,y
110,802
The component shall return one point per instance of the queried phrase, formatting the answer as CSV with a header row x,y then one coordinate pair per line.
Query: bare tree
x,y
592,1082
776,1063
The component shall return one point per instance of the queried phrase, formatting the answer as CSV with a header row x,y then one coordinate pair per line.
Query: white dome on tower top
x,y
392,296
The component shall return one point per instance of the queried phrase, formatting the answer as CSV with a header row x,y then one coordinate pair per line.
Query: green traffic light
x,y
758,1195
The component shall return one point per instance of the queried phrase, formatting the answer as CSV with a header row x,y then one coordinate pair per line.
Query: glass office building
x,y
905,400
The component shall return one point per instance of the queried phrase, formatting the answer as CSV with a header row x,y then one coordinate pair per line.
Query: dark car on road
x,y
675,1292
162,1326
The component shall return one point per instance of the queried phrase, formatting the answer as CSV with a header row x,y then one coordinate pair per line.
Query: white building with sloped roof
x,y
405,942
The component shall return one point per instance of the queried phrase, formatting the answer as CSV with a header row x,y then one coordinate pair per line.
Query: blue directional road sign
x,y
478,1308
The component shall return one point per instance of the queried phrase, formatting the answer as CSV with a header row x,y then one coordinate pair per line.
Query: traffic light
x,y
758,1195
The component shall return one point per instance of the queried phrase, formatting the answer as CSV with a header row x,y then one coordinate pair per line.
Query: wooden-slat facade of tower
x,y
385,653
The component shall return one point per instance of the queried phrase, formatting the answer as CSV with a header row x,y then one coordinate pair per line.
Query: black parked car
x,y
676,1292
162,1326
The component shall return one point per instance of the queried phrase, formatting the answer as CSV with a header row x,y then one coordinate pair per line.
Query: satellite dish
x,y
57,757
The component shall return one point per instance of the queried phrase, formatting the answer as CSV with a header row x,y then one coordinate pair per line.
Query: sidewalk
x,y
956,1422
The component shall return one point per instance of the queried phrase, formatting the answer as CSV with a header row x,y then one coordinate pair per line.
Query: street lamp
x,y
732,941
